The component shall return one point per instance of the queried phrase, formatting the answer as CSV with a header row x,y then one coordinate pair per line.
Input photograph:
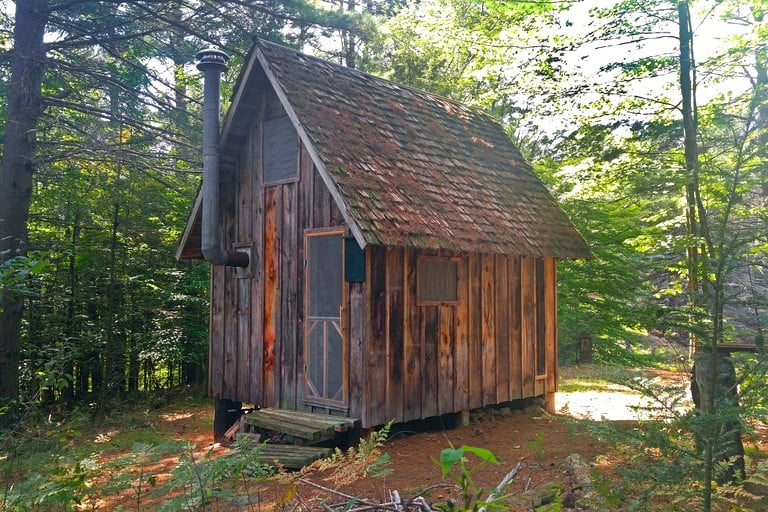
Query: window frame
x,y
295,176
426,259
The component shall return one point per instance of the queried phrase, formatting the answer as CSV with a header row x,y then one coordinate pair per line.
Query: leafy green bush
x,y
454,465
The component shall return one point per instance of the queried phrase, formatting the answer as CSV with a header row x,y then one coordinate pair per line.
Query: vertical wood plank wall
x,y
405,360
257,321
425,360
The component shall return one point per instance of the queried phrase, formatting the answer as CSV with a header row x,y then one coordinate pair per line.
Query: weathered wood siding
x,y
257,314
421,360
405,359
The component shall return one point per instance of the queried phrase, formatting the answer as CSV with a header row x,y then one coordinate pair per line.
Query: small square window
x,y
437,280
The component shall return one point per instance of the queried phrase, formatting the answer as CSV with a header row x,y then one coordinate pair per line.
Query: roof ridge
x,y
353,71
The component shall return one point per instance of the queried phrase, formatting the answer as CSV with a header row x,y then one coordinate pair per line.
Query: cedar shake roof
x,y
410,168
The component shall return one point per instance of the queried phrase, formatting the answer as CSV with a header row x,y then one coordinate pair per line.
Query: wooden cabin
x,y
402,252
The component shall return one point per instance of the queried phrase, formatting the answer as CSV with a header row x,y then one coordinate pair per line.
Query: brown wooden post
x,y
463,418
549,402
586,347
225,414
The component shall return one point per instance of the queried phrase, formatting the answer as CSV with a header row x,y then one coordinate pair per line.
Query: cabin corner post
x,y
550,299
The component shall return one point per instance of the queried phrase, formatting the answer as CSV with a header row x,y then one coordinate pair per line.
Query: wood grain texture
x,y
412,341
475,341
289,296
488,305
305,188
515,335
445,374
271,303
528,323
216,325
243,336
550,299
461,342
230,333
357,333
541,341
256,388
430,321
405,360
502,314
374,399
243,284
394,336
321,203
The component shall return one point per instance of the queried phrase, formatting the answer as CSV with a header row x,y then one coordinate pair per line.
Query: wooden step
x,y
312,428
291,456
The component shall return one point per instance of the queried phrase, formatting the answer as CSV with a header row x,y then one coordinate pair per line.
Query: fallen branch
x,y
367,505
501,487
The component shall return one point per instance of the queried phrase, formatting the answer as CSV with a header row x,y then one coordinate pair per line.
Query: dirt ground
x,y
540,442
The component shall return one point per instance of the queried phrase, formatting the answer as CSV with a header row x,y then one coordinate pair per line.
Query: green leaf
x,y
449,457
481,453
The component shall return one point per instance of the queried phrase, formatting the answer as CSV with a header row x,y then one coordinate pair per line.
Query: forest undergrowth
x,y
159,455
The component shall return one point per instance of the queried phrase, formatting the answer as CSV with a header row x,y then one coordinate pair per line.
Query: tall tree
x,y
17,167
75,65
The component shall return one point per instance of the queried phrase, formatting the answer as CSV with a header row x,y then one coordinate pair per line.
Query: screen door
x,y
324,347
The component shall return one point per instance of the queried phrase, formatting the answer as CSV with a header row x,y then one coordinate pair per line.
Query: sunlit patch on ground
x,y
105,437
176,416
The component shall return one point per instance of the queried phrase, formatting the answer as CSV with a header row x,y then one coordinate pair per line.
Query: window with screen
x,y
437,280
281,151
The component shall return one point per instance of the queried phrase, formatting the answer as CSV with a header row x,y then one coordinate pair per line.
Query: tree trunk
x,y
69,393
714,377
690,146
24,103
720,400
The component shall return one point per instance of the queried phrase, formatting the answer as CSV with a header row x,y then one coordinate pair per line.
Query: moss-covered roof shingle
x,y
413,169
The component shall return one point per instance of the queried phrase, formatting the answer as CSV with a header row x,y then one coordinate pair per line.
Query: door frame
x,y
343,404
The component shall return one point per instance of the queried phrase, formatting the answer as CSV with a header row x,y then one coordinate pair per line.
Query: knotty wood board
x,y
257,274
271,301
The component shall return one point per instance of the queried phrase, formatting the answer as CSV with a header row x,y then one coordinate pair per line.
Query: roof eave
x,y
186,235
